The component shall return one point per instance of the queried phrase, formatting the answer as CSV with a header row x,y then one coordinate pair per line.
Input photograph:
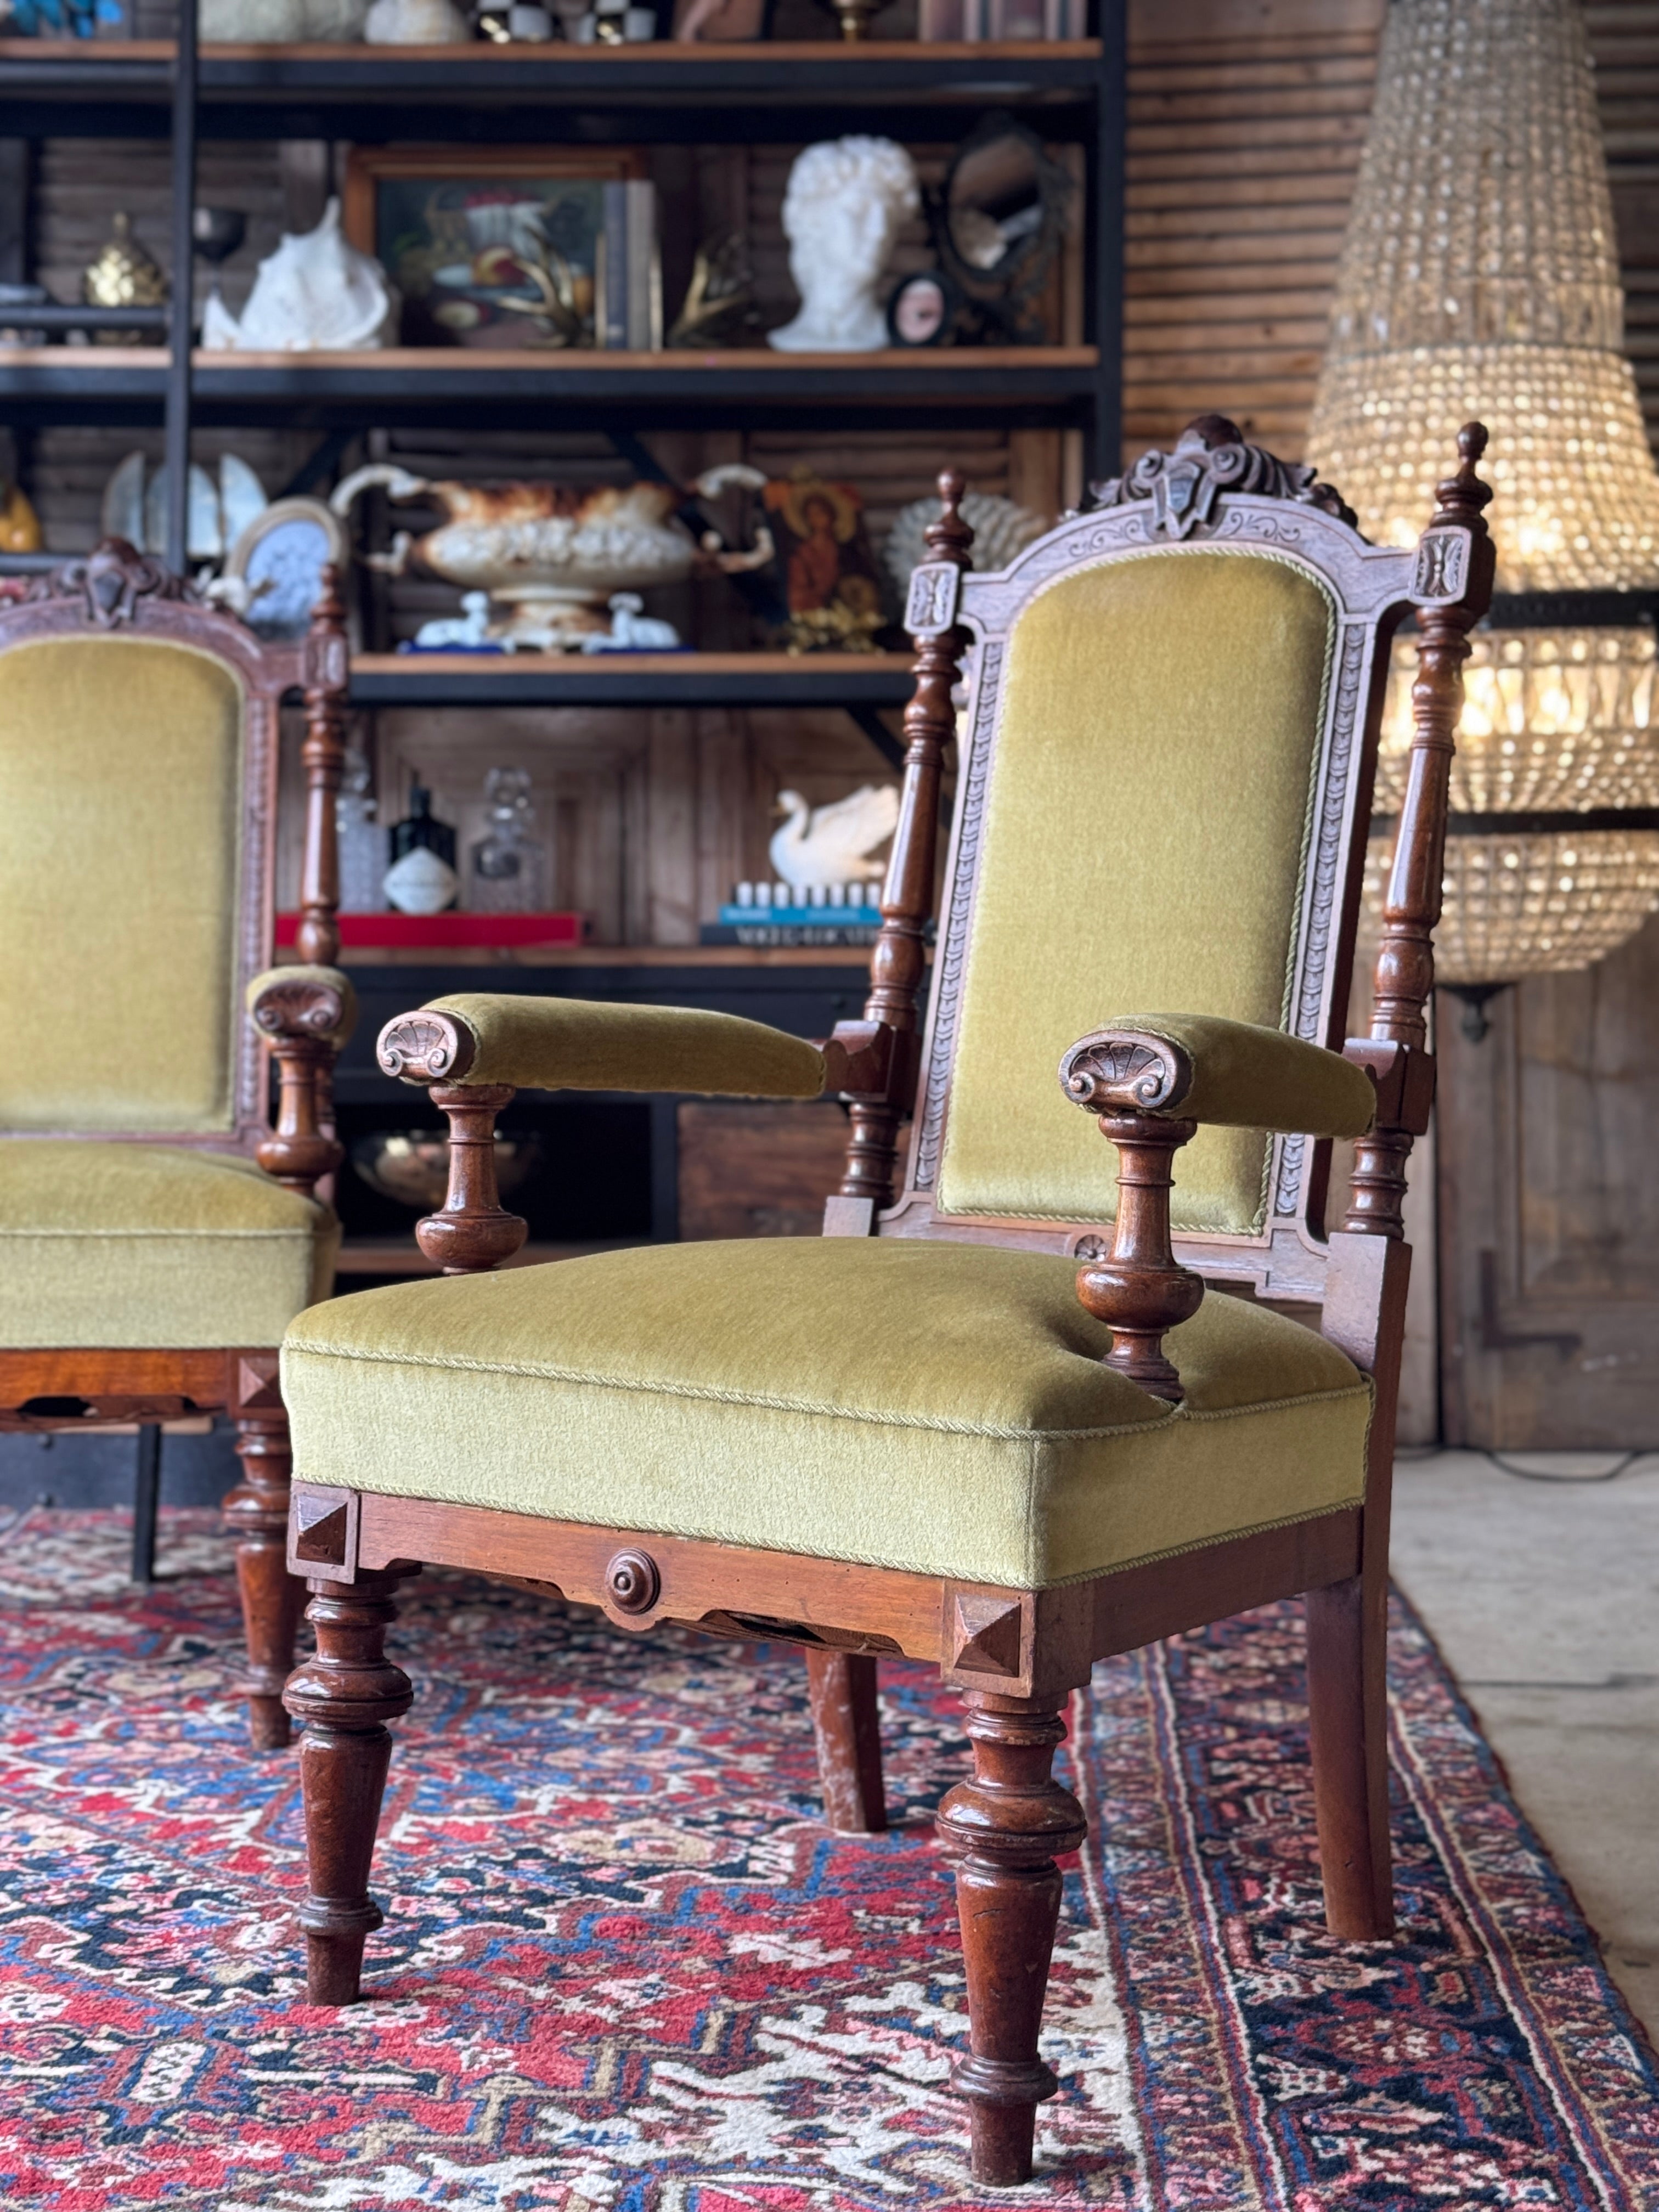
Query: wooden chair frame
x,y
116,590
1015,1655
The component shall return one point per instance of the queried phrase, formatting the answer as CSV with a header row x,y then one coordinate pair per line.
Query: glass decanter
x,y
507,870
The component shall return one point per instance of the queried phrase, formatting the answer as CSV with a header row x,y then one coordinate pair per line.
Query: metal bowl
x,y
411,1166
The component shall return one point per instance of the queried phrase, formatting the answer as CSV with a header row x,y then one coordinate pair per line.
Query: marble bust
x,y
845,203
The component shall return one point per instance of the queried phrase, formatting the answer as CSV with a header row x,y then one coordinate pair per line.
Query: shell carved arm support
x,y
478,1049
1153,1080
305,1015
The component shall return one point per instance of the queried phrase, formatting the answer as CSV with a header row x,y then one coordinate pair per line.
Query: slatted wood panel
x,y
1243,148
1625,40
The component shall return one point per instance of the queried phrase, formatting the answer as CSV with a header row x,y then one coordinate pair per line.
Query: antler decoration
x,y
1405,964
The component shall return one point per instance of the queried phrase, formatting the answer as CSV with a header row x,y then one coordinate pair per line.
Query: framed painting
x,y
495,247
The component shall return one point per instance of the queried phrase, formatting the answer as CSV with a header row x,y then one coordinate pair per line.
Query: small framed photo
x,y
922,310
280,557
498,246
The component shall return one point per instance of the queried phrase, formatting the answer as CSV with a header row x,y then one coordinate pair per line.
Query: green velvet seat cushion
x,y
938,1407
152,1246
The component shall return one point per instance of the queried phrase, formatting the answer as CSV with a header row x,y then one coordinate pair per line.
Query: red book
x,y
440,932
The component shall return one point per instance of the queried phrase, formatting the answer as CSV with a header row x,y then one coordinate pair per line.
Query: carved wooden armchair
x,y
933,1432
156,1235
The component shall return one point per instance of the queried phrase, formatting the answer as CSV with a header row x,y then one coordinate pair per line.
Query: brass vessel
x,y
125,274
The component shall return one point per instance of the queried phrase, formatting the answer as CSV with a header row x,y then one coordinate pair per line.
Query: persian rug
x,y
626,1969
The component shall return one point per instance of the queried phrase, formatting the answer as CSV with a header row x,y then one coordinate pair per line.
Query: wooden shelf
x,y
425,92
402,1255
631,680
590,389
617,957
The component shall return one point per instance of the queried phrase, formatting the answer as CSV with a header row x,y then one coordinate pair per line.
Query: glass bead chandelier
x,y
1479,277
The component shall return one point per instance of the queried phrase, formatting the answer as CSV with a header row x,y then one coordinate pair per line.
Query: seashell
x,y
315,293
1001,528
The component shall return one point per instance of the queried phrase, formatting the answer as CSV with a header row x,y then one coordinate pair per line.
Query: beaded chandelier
x,y
1479,277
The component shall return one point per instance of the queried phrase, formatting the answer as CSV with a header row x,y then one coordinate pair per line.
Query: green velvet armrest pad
x,y
276,984
1247,1077
581,1045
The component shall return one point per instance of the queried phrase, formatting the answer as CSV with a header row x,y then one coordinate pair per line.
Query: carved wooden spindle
x,y
1405,963
898,961
847,1724
1140,1289
1005,1829
345,1694
472,1232
323,756
256,1516
300,1020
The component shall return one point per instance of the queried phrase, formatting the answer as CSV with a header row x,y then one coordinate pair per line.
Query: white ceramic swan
x,y
832,844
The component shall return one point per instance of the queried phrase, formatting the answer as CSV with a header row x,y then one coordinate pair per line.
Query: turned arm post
x,y
327,674
472,1232
1139,1288
883,1048
300,1020
1396,1050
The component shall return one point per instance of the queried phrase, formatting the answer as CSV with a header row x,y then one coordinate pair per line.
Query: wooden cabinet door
x,y
1549,1210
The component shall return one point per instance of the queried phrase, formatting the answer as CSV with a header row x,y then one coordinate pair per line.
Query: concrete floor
x,y
1543,1594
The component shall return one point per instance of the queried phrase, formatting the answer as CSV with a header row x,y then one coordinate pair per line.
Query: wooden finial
x,y
898,962
327,675
1405,960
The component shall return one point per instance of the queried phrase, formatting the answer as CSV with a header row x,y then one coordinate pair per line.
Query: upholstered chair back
x,y
137,743
1165,770
1143,848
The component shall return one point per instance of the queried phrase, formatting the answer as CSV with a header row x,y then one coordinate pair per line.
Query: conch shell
x,y
315,293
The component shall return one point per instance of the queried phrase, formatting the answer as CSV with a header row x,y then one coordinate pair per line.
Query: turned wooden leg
x,y
146,1503
255,1515
1348,1737
842,1685
345,1694
1004,1829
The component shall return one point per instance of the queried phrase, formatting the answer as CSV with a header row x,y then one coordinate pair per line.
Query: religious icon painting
x,y
827,571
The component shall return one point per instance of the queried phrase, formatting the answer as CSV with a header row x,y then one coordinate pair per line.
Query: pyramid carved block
x,y
985,1634
259,1389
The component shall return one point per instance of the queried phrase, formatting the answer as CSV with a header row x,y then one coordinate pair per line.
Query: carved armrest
x,y
580,1044
1151,1080
477,1050
305,1016
1214,1072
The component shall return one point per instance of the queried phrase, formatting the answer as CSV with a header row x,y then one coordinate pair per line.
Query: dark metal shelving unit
x,y
774,92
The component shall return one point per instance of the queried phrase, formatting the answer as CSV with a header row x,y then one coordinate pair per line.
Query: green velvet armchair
x,y
157,1234
1014,1411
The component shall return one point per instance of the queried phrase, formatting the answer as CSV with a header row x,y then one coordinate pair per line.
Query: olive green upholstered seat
x,y
140,1246
937,1407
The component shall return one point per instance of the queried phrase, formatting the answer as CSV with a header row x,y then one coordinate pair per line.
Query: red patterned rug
x,y
626,1970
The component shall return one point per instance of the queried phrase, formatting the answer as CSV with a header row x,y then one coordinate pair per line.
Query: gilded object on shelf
x,y
20,526
412,1166
125,274
719,306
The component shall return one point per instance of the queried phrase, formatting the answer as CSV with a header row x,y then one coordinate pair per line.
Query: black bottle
x,y
420,826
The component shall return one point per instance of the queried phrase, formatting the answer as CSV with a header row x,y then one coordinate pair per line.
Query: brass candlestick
x,y
856,17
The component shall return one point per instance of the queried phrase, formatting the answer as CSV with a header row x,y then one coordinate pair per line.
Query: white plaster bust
x,y
841,213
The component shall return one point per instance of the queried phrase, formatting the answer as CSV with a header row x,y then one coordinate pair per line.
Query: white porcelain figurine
x,y
315,293
846,201
826,845
633,630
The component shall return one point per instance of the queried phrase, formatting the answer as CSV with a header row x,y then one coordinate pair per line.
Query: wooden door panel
x,y
1549,1210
